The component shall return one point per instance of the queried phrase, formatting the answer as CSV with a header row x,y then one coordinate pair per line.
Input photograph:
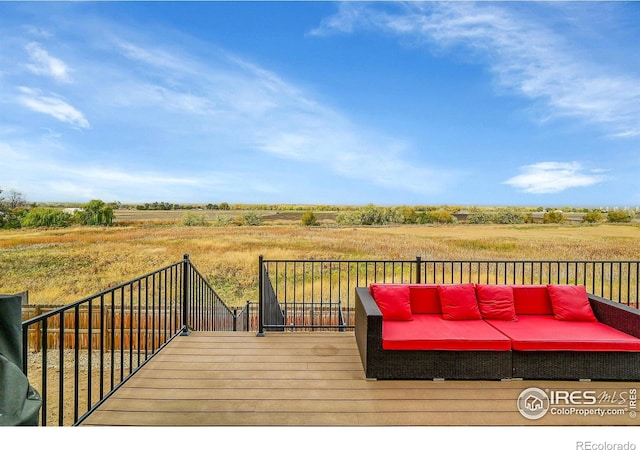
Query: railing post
x,y
260,296
418,269
235,319
185,295
248,315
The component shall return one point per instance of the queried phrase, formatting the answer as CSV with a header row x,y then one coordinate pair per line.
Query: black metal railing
x,y
302,288
78,354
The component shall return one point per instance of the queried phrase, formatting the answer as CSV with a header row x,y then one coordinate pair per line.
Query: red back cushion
x,y
571,303
496,302
458,302
393,300
532,300
424,299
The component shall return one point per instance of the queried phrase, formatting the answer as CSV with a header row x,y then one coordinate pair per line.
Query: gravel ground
x,y
53,372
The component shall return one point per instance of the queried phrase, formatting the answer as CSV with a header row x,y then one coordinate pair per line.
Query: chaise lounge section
x,y
474,331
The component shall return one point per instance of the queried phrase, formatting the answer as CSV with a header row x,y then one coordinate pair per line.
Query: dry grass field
x,y
59,266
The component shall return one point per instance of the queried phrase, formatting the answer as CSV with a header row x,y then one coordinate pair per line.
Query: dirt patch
x,y
90,386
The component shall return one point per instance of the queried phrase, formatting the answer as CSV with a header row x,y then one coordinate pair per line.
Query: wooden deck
x,y
312,379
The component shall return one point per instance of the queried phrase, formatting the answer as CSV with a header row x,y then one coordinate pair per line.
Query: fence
x,y
77,355
319,294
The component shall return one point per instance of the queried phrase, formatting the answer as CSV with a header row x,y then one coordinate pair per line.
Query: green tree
x,y
96,212
46,217
11,207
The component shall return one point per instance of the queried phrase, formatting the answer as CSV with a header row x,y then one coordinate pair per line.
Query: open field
x,y
59,266
174,217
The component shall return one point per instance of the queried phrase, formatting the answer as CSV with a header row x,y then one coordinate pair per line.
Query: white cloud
x,y
253,108
42,63
39,171
53,106
553,177
526,57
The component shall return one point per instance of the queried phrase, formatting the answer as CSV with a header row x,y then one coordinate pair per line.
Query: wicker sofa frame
x,y
418,364
615,366
496,365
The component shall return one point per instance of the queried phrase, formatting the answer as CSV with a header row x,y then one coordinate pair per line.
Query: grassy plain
x,y
59,266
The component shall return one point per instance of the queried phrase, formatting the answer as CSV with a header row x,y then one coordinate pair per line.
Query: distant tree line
x,y
375,215
15,212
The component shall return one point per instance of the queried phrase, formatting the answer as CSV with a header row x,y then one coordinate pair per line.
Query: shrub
x,y
409,215
223,221
620,216
251,219
553,217
440,216
371,215
191,219
480,217
309,219
593,217
9,220
508,216
46,217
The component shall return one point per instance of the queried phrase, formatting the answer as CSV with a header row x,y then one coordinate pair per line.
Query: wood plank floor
x,y
312,379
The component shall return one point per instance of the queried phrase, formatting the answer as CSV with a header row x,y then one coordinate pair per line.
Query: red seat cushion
x,y
432,332
458,302
496,302
393,300
532,299
531,333
570,303
424,299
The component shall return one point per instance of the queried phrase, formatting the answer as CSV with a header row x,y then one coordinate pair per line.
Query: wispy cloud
x,y
526,57
51,105
229,95
65,179
553,177
42,63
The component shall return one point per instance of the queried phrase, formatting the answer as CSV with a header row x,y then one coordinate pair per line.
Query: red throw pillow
x,y
393,300
458,302
570,303
424,299
496,302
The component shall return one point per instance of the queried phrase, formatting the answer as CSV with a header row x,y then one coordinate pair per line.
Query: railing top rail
x,y
452,261
197,272
77,303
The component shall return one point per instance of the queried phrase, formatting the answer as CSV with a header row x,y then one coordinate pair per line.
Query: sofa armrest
x,y
368,326
616,315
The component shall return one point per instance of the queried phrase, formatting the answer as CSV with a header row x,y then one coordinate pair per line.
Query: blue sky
x,y
505,103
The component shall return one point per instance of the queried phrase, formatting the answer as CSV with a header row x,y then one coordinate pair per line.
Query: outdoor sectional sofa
x,y
495,332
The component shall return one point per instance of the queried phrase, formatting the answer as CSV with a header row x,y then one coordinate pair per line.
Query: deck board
x,y
311,379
